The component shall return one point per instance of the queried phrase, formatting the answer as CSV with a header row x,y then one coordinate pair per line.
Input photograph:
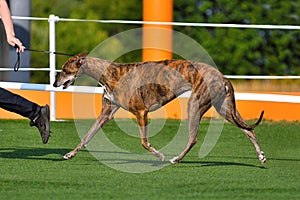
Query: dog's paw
x,y
174,160
68,156
262,157
161,157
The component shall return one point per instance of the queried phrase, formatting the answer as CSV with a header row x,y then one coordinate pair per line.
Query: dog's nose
x,y
55,84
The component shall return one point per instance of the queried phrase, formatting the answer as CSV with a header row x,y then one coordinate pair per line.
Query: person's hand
x,y
13,41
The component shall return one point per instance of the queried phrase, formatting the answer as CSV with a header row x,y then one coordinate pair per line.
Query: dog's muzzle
x,y
65,84
55,84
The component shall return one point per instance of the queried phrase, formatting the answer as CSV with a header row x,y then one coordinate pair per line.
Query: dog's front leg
x,y
147,145
143,122
91,133
108,111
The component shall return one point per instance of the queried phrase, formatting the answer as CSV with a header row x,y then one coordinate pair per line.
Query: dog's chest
x,y
107,94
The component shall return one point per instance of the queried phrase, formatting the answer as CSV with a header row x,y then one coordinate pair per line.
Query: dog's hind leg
x,y
196,109
142,120
228,110
107,113
251,135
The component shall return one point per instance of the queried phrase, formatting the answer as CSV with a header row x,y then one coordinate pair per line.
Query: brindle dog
x,y
143,87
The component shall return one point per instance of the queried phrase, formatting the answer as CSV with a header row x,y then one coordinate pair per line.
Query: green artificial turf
x,y
32,170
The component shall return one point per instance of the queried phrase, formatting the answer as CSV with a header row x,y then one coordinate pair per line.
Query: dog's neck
x,y
95,67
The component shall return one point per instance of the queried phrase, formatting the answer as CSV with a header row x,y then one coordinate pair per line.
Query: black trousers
x,y
17,104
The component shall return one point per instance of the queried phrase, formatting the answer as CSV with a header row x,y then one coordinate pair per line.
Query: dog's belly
x,y
147,97
154,96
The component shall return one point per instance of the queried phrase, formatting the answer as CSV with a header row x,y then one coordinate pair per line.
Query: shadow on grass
x,y
148,159
221,164
254,158
54,154
33,153
224,163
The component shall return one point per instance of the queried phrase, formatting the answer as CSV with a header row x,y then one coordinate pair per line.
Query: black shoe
x,y
42,123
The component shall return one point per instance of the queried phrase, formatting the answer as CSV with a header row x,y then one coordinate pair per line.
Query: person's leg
x,y
18,104
38,115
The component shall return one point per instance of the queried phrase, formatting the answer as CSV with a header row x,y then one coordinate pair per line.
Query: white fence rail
x,y
52,20
99,90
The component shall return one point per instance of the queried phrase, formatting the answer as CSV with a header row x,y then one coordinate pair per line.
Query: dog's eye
x,y
66,72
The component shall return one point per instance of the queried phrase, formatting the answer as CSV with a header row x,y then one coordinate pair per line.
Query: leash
x,y
17,64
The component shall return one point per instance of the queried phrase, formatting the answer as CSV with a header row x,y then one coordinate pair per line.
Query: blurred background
x,y
235,51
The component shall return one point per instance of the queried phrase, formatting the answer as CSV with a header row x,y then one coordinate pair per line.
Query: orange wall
x,y
85,106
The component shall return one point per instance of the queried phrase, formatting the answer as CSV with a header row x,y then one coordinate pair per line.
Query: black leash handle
x,y
17,64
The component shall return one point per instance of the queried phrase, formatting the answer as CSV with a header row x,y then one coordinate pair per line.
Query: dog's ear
x,y
81,60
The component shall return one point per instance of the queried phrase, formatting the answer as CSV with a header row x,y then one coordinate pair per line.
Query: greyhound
x,y
143,87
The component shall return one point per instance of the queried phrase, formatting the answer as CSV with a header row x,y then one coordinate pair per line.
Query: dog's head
x,y
71,70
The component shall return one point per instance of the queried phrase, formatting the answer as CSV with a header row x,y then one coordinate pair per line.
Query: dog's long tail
x,y
241,124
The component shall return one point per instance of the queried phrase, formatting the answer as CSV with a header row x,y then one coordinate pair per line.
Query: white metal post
x,y
52,62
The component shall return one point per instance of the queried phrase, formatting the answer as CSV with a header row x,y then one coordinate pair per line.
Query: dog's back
x,y
153,84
